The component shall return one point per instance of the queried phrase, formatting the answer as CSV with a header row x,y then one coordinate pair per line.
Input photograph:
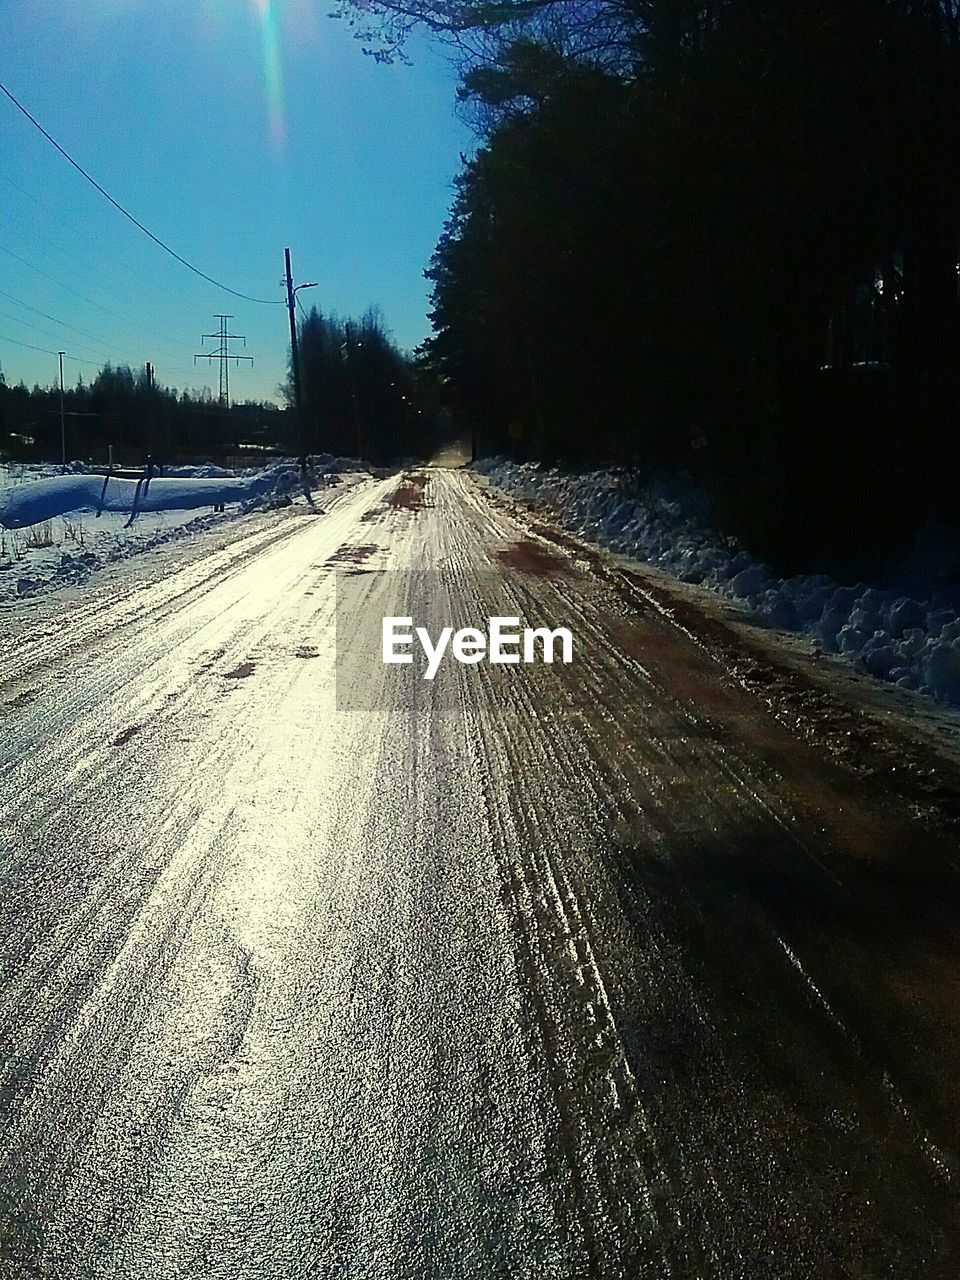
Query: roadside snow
x,y
54,537
907,634
31,504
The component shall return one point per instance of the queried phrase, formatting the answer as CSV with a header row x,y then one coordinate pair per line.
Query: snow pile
x,y
907,635
51,536
57,495
45,492
320,464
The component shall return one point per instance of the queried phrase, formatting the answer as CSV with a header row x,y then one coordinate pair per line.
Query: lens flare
x,y
266,11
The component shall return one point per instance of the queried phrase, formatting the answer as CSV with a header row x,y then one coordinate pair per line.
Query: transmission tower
x,y
223,354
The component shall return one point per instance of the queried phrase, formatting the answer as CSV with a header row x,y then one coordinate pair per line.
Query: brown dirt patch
x,y
409,494
533,557
353,553
894,763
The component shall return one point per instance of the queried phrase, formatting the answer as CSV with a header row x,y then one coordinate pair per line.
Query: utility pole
x,y
295,359
348,350
224,355
63,421
148,415
295,354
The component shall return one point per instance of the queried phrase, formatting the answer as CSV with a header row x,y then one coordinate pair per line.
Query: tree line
x,y
125,410
719,234
361,394
361,397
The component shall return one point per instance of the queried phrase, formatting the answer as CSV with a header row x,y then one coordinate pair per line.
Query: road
x,y
546,972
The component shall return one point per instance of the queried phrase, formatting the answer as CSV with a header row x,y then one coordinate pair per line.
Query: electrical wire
x,y
110,261
99,364
83,298
127,214
39,328
84,333
47,352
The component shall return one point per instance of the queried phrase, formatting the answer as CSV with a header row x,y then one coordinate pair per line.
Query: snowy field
x,y
906,631
56,548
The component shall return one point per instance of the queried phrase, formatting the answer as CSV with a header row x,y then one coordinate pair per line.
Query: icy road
x,y
588,971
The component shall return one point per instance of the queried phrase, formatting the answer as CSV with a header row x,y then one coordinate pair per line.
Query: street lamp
x,y
295,356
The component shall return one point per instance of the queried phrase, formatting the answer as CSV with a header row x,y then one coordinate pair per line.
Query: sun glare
x,y
266,11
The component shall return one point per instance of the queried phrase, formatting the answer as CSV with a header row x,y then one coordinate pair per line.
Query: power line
x,y
96,350
102,359
29,345
39,328
84,333
112,259
47,352
112,353
127,214
83,298
162,345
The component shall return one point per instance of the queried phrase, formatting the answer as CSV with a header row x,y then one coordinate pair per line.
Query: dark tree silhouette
x,y
359,391
720,233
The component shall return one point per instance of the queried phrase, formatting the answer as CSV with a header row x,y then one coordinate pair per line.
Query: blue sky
x,y
231,129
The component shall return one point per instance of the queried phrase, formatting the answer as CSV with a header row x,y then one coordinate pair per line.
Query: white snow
x,y
51,536
31,504
907,633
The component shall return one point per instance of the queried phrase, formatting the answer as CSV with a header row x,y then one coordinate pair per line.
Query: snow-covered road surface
x,y
592,971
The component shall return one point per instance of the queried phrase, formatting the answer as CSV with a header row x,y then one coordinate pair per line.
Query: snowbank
x,y
45,492
907,635
59,495
51,536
